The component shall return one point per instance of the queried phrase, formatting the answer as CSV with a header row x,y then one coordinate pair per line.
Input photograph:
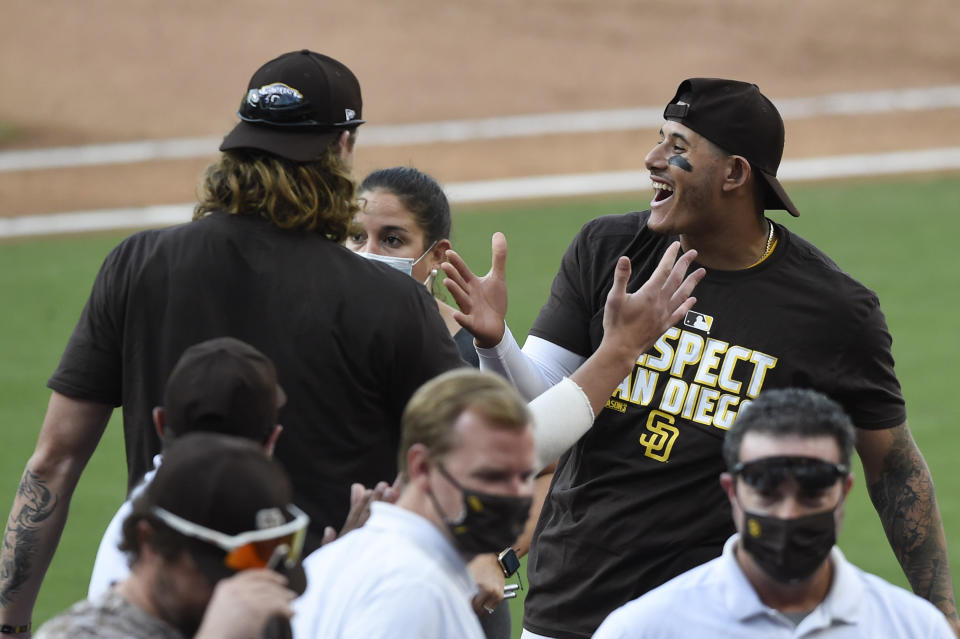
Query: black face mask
x,y
789,550
489,523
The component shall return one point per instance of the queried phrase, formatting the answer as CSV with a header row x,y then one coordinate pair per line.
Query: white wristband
x,y
561,415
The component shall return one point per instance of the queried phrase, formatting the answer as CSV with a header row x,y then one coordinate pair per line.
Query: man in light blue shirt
x,y
781,575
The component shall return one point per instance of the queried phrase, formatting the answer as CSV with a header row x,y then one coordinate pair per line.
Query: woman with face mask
x,y
404,221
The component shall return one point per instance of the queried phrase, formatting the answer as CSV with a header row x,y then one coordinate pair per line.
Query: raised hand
x,y
482,300
632,322
636,320
360,499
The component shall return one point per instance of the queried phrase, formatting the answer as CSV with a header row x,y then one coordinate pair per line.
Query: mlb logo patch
x,y
698,321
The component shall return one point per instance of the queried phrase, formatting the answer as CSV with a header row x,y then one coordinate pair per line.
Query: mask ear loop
x,y
453,522
425,253
433,272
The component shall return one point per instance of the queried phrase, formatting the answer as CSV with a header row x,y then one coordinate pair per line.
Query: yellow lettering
x,y
705,406
662,361
734,355
763,363
660,436
692,391
709,362
673,394
724,416
643,386
689,349
623,390
613,404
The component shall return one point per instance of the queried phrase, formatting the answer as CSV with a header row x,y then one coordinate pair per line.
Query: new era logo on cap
x,y
349,114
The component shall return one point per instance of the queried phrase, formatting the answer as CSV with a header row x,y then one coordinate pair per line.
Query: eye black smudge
x,y
680,162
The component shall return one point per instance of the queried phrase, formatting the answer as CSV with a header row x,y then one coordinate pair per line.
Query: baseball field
x,y
106,72
873,229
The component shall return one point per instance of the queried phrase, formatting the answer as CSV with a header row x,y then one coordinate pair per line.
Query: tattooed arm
x,y
901,488
71,431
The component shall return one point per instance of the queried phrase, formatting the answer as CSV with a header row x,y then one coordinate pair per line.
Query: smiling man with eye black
x,y
635,502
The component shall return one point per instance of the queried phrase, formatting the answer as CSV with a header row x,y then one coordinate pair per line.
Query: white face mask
x,y
402,264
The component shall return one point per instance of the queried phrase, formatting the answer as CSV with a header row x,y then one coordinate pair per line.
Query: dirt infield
x,y
106,70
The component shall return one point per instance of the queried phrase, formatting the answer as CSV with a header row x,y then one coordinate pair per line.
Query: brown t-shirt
x,y
351,339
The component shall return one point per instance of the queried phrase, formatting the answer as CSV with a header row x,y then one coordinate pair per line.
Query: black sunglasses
x,y
811,474
279,105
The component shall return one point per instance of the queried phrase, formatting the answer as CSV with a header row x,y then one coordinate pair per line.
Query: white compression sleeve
x,y
540,364
561,415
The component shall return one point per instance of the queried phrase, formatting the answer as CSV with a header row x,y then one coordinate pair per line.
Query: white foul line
x,y
843,166
867,102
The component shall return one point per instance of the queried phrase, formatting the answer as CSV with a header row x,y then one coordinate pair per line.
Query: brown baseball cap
x,y
296,105
739,119
223,385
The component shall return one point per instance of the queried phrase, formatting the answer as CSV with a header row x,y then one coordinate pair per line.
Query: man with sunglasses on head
x,y
781,574
209,538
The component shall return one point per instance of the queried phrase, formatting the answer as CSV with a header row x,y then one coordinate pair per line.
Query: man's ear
x,y
418,467
144,532
737,172
847,484
347,141
271,442
729,485
159,420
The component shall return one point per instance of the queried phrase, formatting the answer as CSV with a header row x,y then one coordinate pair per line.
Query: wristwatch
x,y
509,562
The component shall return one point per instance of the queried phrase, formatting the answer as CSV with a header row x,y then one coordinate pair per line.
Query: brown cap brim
x,y
300,144
777,197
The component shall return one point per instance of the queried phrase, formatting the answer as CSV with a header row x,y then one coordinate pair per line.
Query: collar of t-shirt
x,y
841,605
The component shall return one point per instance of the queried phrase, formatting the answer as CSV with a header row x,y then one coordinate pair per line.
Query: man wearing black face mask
x,y
467,461
781,575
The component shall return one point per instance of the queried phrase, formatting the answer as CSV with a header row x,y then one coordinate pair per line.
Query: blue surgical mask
x,y
402,264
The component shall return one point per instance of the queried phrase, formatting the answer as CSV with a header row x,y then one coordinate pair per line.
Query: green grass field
x,y
892,235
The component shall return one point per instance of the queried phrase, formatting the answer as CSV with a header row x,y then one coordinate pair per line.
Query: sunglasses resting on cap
x,y
252,549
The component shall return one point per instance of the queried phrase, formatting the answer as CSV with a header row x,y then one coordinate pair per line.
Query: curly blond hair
x,y
318,196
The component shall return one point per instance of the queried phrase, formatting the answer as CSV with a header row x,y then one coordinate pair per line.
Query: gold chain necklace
x,y
769,248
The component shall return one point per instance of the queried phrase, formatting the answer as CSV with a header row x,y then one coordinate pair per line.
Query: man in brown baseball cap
x,y
261,261
773,311
222,385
